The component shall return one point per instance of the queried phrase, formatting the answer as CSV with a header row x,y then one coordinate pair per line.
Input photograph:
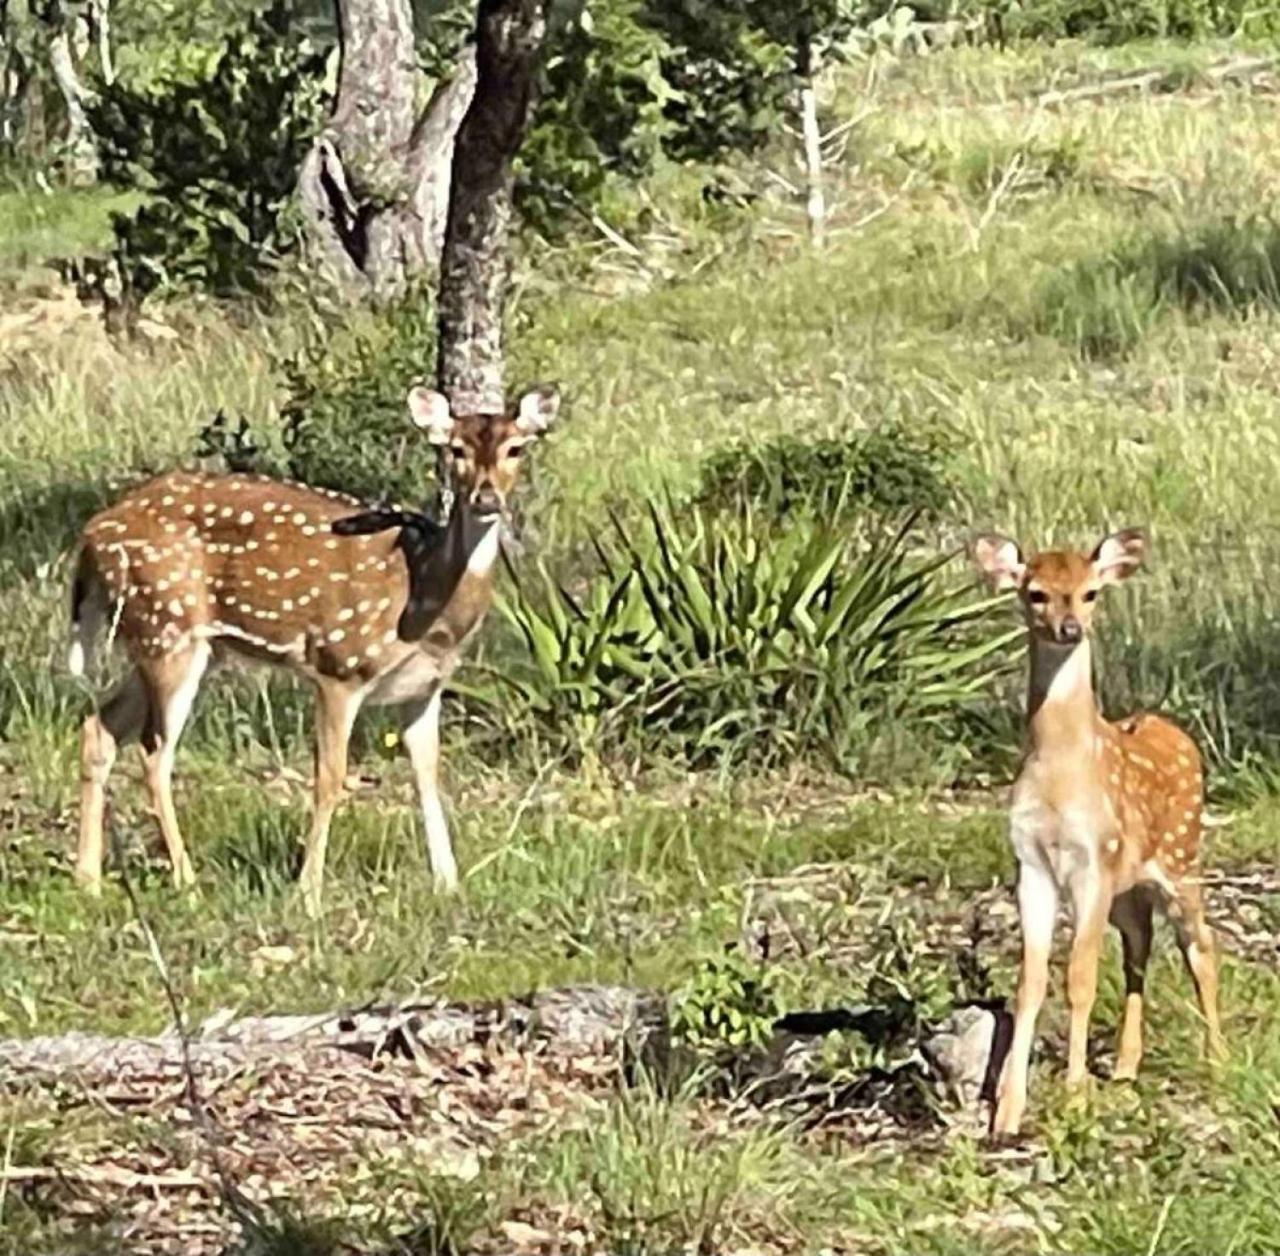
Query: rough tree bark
x,y
474,269
374,186
13,80
81,151
99,21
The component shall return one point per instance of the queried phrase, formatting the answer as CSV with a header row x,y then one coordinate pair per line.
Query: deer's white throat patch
x,y
485,553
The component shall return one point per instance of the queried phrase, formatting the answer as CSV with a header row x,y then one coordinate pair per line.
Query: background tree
x,y
374,186
57,20
475,266
53,44
745,61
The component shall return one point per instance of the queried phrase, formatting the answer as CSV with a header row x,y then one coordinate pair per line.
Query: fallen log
x,y
1157,77
583,1019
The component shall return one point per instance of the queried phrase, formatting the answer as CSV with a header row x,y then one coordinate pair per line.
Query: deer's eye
x,y
514,451
1091,595
1037,597
459,451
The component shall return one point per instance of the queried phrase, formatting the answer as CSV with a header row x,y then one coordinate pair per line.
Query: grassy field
x,y
1085,297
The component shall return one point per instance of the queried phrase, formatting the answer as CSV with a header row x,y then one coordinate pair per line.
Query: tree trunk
x,y
374,185
99,18
815,201
81,157
474,269
11,83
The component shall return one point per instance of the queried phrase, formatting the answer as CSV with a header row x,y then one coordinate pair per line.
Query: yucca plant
x,y
709,640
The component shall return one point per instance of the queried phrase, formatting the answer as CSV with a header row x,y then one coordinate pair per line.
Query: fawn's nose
x,y
1069,631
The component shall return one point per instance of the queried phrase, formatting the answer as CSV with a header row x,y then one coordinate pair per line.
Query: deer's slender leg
x,y
1091,904
1195,940
1037,911
1131,915
336,709
173,681
422,739
118,720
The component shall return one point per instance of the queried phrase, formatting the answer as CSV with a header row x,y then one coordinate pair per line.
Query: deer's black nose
x,y
486,500
1069,631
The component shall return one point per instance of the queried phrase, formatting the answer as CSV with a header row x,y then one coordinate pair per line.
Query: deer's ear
x,y
1119,555
999,559
537,411
430,411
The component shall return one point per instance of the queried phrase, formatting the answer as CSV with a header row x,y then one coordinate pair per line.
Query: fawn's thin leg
x,y
336,708
1131,914
1195,940
173,681
422,739
118,720
1091,903
1037,911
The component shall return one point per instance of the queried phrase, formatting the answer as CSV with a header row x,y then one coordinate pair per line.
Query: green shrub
x,y
1121,21
888,469
601,115
215,152
343,423
727,1005
715,642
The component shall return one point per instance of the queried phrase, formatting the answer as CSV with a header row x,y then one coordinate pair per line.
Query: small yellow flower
x,y
391,740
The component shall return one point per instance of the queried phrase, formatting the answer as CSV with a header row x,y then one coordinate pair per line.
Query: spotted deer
x,y
371,606
1107,812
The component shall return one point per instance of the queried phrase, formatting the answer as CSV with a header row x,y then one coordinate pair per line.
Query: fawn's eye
x,y
514,451
1091,595
1037,597
459,451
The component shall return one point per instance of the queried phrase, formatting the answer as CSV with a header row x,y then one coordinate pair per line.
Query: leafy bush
x,y
729,80
715,642
1106,305
1120,21
888,469
726,1005
601,114
343,422
216,153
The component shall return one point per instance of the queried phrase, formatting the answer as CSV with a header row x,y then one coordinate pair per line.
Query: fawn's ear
x,y
537,411
430,411
1119,555
999,559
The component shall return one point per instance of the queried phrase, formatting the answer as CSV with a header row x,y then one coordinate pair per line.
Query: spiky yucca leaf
x,y
704,639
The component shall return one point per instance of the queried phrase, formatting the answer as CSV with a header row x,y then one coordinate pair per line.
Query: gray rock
x,y
959,1053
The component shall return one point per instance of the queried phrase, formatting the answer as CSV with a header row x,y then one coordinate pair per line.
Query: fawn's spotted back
x,y
1155,787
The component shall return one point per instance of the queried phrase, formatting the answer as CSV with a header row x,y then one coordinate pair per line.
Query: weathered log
x,y
586,1019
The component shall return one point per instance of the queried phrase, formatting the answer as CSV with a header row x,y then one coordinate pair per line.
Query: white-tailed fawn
x,y
371,607
1107,812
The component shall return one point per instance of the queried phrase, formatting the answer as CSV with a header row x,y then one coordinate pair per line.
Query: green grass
x,y
962,215
37,225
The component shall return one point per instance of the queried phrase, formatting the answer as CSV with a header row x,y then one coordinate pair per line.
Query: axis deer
x,y
1108,812
374,607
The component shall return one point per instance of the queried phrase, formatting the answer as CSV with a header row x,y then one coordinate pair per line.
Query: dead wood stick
x,y
1243,68
104,1175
